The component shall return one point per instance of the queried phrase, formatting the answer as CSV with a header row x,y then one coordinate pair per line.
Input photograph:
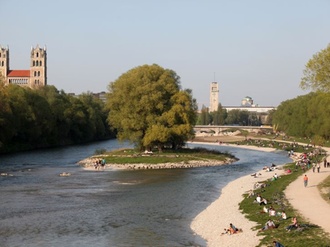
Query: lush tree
x,y
304,116
147,106
233,117
95,109
237,117
317,72
218,116
5,113
204,117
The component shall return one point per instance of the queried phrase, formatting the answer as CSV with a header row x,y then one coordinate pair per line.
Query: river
x,y
112,208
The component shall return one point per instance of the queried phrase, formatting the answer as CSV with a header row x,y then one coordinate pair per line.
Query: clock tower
x,y
214,97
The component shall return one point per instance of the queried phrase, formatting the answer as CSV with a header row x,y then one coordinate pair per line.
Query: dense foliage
x,y
147,107
305,116
45,117
308,115
224,117
317,72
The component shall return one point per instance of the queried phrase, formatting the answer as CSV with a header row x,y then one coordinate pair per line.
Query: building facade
x,y
214,97
35,77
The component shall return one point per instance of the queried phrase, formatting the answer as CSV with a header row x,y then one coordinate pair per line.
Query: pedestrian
x,y
325,162
305,180
277,244
314,167
318,168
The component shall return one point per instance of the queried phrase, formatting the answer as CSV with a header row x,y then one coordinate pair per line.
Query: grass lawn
x,y
324,188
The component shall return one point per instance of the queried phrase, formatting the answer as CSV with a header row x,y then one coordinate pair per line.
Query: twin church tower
x,y
35,77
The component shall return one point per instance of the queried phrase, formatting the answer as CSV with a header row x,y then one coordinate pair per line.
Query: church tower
x,y
214,97
4,62
38,67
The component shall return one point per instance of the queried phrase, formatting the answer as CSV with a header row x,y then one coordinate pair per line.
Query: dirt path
x,y
308,201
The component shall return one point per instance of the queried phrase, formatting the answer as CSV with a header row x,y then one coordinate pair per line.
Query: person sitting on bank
x,y
265,209
269,225
263,201
272,211
258,199
232,229
277,244
293,225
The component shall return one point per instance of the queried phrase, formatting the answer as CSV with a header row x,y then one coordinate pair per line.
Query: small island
x,y
166,159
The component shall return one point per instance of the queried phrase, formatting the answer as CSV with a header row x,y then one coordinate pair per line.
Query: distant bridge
x,y
216,129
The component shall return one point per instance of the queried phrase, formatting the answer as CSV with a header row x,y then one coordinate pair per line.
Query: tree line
x,y
147,106
47,117
233,117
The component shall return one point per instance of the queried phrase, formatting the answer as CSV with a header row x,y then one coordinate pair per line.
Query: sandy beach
x,y
211,222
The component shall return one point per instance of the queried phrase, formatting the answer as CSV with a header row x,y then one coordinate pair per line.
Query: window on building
x,y
37,55
40,63
33,63
38,73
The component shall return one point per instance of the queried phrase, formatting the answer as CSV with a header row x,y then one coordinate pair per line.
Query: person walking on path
x,y
305,180
318,168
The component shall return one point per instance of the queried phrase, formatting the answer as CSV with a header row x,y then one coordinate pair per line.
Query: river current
x,y
111,208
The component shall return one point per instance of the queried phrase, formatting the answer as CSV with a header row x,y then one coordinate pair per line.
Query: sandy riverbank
x,y
210,223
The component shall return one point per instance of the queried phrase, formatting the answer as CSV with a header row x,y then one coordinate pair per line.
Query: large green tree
x,y
305,116
147,107
317,72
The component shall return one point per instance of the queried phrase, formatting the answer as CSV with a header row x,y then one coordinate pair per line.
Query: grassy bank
x,y
324,189
306,235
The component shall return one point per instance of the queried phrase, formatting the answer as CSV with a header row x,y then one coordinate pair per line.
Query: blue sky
x,y
255,48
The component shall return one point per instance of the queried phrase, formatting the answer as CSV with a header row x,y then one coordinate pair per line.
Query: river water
x,y
110,208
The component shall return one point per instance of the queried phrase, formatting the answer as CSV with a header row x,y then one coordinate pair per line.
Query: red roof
x,y
19,73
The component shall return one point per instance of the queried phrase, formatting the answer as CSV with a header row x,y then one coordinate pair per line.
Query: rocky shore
x,y
89,164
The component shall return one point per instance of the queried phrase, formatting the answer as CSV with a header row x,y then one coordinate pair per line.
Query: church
x,y
35,77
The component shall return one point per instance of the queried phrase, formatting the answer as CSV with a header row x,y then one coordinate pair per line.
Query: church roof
x,y
19,73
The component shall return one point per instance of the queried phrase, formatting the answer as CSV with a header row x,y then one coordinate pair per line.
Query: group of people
x,y
270,168
272,212
99,163
231,230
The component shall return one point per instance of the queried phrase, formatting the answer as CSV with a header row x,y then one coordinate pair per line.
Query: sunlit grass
x,y
132,156
310,235
324,189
